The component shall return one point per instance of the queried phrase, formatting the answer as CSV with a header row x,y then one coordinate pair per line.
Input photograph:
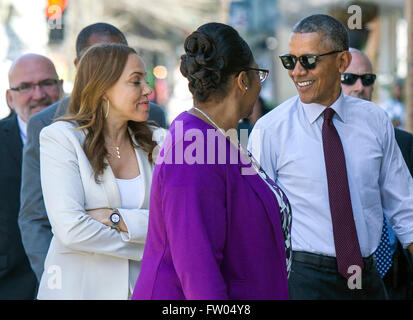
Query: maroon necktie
x,y
345,235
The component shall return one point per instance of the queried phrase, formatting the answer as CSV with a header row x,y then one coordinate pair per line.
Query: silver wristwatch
x,y
115,218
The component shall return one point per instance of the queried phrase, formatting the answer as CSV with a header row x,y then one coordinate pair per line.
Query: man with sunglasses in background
x,y
34,85
394,263
336,158
358,79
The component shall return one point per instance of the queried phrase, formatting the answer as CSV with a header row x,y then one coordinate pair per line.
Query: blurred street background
x,y
157,29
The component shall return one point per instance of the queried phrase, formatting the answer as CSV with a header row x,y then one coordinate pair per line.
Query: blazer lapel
x,y
145,169
14,143
146,172
111,187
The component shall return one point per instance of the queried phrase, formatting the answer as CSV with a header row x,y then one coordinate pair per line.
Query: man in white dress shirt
x,y
336,158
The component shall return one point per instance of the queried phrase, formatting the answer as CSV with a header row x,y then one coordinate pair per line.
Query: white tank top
x,y
131,197
131,192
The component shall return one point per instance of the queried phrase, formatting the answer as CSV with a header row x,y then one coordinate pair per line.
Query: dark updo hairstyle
x,y
212,53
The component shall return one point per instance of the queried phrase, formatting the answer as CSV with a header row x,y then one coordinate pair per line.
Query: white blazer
x,y
86,259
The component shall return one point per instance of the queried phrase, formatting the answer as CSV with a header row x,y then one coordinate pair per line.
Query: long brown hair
x,y
98,70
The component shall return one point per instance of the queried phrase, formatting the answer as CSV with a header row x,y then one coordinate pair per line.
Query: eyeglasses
x,y
26,88
262,73
308,61
351,78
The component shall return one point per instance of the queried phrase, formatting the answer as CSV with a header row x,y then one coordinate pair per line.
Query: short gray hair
x,y
333,33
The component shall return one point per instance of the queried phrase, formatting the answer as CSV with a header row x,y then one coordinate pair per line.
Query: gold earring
x,y
107,111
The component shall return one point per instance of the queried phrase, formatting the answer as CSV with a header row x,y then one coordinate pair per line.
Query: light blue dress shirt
x,y
288,143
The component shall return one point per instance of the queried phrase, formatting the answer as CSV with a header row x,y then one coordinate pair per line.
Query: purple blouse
x,y
214,232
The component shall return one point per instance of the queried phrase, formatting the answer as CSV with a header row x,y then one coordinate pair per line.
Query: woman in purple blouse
x,y
218,226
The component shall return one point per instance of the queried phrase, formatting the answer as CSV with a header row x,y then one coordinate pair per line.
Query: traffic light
x,y
55,13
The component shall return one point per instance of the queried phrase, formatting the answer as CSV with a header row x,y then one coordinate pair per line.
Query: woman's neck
x,y
116,132
224,114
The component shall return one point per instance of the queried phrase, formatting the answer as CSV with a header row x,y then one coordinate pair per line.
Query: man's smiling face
x,y
321,84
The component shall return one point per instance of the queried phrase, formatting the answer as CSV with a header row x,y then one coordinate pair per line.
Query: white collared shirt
x,y
22,129
288,144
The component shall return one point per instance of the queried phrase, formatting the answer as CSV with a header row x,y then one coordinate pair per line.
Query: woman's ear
x,y
242,82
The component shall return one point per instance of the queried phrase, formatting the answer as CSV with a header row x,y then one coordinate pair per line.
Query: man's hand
x,y
410,247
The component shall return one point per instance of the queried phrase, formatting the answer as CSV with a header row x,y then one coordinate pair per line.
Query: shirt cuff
x,y
136,220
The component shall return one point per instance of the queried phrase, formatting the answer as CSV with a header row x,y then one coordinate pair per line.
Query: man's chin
x,y
305,98
37,109
360,96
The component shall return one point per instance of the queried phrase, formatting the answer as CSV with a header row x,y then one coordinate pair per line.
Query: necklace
x,y
210,120
240,147
118,152
115,148
248,155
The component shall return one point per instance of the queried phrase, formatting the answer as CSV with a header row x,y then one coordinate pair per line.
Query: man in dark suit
x,y
405,141
33,221
34,85
398,279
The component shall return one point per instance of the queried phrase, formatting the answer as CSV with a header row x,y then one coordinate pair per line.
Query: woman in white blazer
x,y
96,172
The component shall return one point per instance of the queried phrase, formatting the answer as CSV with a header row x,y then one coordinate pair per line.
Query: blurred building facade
x,y
256,21
157,29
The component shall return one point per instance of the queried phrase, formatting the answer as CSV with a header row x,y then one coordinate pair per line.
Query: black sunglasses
x,y
308,61
351,78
